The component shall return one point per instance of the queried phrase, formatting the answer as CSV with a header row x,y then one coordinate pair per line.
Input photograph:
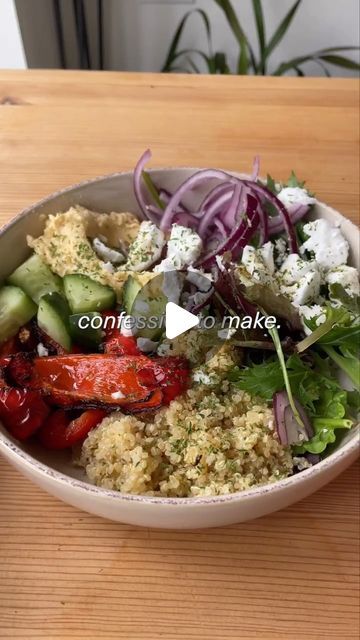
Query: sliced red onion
x,y
281,209
195,179
220,227
215,193
276,224
211,211
288,429
238,238
186,219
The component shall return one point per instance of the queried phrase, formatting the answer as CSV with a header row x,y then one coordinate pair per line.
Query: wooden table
x,y
66,574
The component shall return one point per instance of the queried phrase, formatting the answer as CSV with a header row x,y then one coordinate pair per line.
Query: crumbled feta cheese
x,y
146,345
42,351
267,254
291,196
280,251
183,249
255,265
294,268
347,277
146,248
327,243
106,253
303,291
309,312
117,395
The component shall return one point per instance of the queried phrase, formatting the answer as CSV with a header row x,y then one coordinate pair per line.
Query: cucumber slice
x,y
81,330
148,308
85,295
16,309
129,292
53,318
35,278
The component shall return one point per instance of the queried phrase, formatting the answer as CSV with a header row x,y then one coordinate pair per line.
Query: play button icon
x,y
178,320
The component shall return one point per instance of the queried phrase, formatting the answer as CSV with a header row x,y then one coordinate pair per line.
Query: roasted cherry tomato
x,y
23,412
61,432
115,342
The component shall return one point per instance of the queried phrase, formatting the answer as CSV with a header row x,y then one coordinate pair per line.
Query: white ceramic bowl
x,y
54,471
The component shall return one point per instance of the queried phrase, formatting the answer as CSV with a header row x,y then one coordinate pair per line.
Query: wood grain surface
x,y
65,574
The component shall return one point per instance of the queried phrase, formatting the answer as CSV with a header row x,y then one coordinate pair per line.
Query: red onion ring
x,y
196,178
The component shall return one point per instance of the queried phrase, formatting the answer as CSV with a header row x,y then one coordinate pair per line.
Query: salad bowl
x,y
55,473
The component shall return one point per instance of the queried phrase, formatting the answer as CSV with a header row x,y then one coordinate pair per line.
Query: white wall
x,y
142,29
11,50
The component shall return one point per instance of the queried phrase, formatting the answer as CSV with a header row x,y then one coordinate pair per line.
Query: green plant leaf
x,y
221,64
282,29
260,26
173,53
341,61
299,72
234,24
295,62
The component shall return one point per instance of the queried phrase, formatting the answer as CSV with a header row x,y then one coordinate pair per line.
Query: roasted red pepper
x,y
90,380
22,411
103,380
115,342
62,432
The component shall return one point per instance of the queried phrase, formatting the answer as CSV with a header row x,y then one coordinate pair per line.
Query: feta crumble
x,y
303,291
309,312
347,277
291,196
183,249
327,243
146,248
255,262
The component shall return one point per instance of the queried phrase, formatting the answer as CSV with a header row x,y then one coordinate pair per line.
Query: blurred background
x,y
306,37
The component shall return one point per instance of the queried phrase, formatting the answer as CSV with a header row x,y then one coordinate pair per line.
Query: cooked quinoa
x,y
212,440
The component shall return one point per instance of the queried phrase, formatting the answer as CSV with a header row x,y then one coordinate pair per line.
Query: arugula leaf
x,y
351,303
152,189
293,181
271,184
334,316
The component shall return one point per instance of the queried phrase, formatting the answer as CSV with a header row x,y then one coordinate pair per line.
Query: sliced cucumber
x,y
129,292
83,331
148,308
35,278
53,318
16,309
85,295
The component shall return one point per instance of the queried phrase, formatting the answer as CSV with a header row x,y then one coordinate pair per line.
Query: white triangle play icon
x,y
178,320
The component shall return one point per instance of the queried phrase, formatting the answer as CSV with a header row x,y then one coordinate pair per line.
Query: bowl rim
x,y
15,452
